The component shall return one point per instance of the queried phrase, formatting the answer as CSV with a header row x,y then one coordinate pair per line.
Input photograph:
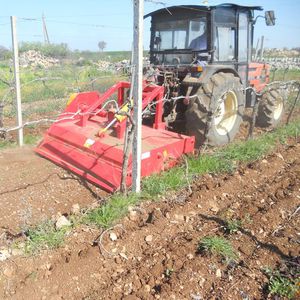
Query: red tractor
x,y
197,88
203,53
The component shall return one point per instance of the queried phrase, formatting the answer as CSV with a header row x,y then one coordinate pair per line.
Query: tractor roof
x,y
200,8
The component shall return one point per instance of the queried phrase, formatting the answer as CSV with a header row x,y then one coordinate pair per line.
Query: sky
x,y
83,23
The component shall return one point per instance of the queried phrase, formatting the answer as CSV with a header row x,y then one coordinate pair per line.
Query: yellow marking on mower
x,y
125,108
72,97
165,153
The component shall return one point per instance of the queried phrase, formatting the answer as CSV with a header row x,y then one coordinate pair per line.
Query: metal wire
x,y
70,116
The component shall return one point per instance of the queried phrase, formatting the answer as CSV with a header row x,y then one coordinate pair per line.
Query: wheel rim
x,y
278,108
226,113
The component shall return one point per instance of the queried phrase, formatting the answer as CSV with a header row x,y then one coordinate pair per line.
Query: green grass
x,y
115,207
160,183
29,139
283,75
44,236
219,246
6,144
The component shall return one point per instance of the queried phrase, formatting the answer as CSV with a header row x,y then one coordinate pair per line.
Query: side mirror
x,y
270,17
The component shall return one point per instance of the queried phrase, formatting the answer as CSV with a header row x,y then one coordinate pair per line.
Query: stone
x,y
9,272
179,217
131,297
147,288
190,256
17,252
75,209
123,255
214,208
4,254
113,236
61,222
149,238
196,297
218,273
133,215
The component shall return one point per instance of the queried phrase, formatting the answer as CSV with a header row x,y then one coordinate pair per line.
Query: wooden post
x,y
17,79
138,7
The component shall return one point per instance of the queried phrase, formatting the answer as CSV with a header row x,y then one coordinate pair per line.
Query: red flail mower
x,y
90,142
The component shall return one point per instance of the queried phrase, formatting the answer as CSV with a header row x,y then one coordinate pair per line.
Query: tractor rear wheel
x,y
270,109
216,113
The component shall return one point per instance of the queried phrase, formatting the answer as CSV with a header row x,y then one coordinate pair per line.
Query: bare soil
x,y
155,254
33,189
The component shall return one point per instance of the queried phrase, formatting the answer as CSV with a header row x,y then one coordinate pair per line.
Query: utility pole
x,y
45,31
17,79
138,13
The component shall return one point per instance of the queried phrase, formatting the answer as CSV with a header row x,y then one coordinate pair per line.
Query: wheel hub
x,y
278,108
226,113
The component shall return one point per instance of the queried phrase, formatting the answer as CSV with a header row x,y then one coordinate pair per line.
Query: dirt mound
x,y
152,253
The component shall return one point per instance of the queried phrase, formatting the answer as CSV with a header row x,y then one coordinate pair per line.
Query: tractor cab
x,y
187,34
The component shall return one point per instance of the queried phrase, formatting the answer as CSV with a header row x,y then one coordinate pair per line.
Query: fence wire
x,y
56,104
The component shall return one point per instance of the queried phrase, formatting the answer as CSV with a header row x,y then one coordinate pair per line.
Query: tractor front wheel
x,y
216,113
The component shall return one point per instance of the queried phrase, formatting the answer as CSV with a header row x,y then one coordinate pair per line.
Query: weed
x,y
247,219
218,246
44,236
282,286
285,280
233,225
112,210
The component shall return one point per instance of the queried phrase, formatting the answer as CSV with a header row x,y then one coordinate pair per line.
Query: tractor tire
x,y
270,109
216,114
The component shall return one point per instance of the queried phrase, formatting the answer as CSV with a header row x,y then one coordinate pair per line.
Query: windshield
x,y
181,34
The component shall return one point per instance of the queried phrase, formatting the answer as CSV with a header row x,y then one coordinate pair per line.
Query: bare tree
x,y
102,45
